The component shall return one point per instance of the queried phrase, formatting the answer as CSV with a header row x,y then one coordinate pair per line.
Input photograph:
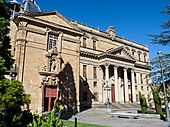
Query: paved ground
x,y
102,117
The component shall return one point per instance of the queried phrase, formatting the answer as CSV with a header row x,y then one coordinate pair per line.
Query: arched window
x,y
145,57
139,55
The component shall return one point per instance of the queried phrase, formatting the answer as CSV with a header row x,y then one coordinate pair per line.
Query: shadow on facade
x,y
86,95
67,91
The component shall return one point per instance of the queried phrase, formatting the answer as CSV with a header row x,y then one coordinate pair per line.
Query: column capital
x,y
132,70
99,67
125,68
115,66
106,64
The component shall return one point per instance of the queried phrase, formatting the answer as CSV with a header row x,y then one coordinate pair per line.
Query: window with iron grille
x,y
52,41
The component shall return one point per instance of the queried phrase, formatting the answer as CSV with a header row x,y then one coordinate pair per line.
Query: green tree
x,y
5,47
156,71
163,38
12,97
2,68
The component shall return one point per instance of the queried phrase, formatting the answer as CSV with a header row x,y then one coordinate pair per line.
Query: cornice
x,y
103,56
47,24
142,66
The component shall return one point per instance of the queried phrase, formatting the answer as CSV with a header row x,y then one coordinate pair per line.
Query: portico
x,y
119,84
115,76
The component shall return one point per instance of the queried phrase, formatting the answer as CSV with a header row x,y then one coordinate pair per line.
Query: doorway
x,y
51,93
113,93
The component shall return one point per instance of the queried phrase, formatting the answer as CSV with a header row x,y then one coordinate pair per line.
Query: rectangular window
x,y
85,71
95,72
136,88
135,78
141,87
94,44
52,41
84,42
141,78
85,96
96,97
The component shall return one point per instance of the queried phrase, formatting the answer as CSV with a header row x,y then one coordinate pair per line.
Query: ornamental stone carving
x,y
111,32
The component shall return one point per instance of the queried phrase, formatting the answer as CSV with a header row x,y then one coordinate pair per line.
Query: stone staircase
x,y
120,107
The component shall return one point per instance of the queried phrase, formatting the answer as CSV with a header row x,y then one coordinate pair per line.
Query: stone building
x,y
79,65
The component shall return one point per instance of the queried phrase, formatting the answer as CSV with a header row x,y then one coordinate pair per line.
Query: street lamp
x,y
107,92
165,95
13,72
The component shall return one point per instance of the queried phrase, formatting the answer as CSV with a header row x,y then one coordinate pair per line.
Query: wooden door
x,y
113,93
51,93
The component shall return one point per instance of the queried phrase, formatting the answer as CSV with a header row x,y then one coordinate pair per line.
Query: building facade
x,y
78,65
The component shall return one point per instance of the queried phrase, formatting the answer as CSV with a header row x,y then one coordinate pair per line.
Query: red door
x,y
113,93
51,93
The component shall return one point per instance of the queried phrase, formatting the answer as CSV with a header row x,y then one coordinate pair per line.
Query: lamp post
x,y
163,82
13,72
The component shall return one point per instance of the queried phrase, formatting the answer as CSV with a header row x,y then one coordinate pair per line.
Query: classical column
x,y
126,85
100,78
107,86
116,84
133,86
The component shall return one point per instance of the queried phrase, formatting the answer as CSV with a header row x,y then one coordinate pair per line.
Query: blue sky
x,y
132,19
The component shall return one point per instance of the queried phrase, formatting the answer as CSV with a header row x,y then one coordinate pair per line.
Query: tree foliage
x,y
157,101
143,103
12,97
163,38
156,72
2,68
5,52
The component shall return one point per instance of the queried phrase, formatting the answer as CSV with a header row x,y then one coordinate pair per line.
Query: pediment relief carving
x,y
121,52
113,53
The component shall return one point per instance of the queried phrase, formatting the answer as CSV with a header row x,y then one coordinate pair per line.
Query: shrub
x,y
50,121
143,103
157,101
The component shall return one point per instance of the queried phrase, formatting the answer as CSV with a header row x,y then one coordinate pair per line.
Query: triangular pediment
x,y
120,52
55,17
